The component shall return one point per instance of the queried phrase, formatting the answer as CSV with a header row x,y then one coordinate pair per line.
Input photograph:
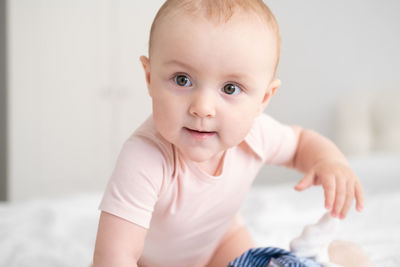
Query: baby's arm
x,y
325,165
119,242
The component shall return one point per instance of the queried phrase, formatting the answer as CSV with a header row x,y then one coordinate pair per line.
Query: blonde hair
x,y
220,11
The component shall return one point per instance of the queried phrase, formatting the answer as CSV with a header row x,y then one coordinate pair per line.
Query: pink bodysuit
x,y
185,210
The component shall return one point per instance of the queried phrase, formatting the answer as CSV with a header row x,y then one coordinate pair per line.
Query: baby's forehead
x,y
240,29
213,50
191,13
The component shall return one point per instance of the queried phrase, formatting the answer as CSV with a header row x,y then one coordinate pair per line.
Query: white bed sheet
x,y
61,232
49,232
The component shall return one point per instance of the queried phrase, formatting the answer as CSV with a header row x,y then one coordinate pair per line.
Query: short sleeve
x,y
136,182
274,142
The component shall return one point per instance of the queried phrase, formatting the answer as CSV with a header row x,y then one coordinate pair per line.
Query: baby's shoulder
x,y
268,135
263,125
147,147
144,166
265,122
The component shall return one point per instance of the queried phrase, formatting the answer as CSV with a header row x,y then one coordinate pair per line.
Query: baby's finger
x,y
306,182
359,197
329,192
340,197
348,201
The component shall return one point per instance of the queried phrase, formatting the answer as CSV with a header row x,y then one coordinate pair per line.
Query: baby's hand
x,y
340,185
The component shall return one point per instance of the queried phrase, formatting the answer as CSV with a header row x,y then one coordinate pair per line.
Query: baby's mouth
x,y
200,134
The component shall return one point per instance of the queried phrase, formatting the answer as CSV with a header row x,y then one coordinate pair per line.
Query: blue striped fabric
x,y
271,257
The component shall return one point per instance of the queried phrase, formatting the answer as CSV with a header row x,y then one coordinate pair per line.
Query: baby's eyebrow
x,y
239,76
179,63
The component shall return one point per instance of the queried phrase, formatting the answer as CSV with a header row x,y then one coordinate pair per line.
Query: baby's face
x,y
208,82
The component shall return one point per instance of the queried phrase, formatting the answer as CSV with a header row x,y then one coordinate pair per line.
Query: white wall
x,y
76,91
331,48
76,87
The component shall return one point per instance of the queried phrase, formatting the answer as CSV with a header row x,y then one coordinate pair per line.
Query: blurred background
x,y
72,89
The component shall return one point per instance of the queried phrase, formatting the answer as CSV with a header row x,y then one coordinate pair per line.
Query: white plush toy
x,y
317,242
315,239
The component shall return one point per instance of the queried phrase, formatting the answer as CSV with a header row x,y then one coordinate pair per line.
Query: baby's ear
x,y
269,93
146,67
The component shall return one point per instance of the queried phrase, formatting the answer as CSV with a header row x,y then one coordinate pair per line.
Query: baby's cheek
x,y
236,130
161,115
168,118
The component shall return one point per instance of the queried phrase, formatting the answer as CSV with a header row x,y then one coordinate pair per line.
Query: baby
x,y
180,179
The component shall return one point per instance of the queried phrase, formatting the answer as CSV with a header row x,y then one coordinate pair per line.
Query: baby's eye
x,y
182,80
231,89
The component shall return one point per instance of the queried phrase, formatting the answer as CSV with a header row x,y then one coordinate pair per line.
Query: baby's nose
x,y
203,104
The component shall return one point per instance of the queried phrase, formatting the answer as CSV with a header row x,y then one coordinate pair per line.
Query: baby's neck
x,y
214,165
